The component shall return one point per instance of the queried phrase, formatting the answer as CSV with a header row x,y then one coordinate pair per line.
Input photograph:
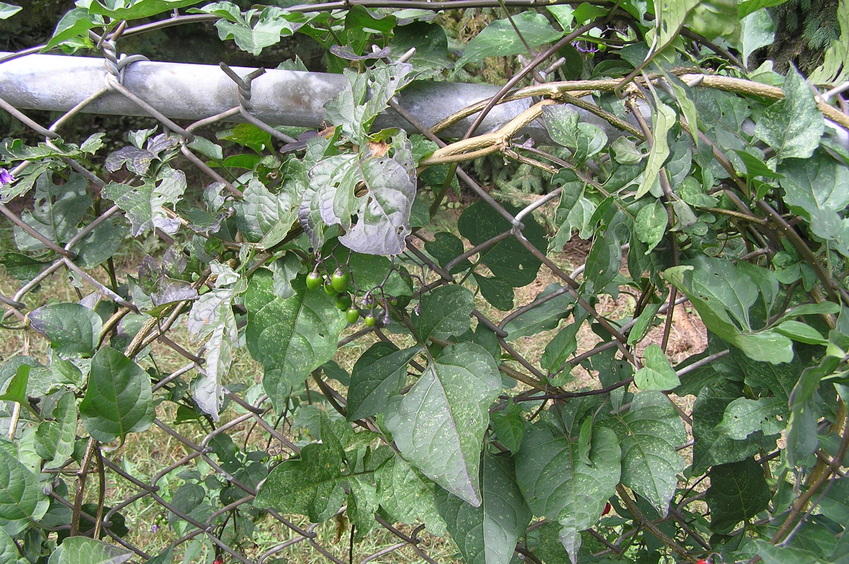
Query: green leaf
x,y
650,224
792,126
499,38
509,427
714,19
737,492
746,7
57,210
445,247
744,416
290,338
264,31
649,433
101,243
662,119
772,554
265,218
21,498
496,291
430,43
544,316
835,504
802,437
439,425
801,332
818,190
74,550
16,386
8,10
656,373
508,259
118,399
757,30
406,496
379,374
71,328
310,485
558,485
488,533
445,312
355,108
206,148
75,23
144,205
564,127
134,9
711,446
8,549
723,294
669,17
54,440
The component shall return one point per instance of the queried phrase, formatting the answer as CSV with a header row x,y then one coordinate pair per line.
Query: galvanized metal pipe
x,y
193,92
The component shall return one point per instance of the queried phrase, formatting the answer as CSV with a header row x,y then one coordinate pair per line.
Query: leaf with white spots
x,y
488,534
439,425
648,434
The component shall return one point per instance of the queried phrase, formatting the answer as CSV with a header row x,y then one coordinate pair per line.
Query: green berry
x,y
340,279
343,301
314,280
352,314
370,320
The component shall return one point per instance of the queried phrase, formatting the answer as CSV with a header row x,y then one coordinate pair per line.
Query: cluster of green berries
x,y
336,285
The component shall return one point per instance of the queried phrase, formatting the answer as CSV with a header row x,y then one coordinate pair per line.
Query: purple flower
x,y
6,177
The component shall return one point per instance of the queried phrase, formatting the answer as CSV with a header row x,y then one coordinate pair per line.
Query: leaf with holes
x,y
118,399
488,533
266,218
649,433
440,423
370,197
290,338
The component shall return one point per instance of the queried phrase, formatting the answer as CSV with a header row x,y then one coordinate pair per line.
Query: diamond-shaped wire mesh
x,y
108,485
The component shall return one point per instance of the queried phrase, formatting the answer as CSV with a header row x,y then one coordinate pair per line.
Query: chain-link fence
x,y
102,487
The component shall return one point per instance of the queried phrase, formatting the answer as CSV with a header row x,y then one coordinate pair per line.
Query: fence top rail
x,y
196,91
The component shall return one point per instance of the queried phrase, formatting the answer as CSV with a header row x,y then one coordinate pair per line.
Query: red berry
x,y
606,510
